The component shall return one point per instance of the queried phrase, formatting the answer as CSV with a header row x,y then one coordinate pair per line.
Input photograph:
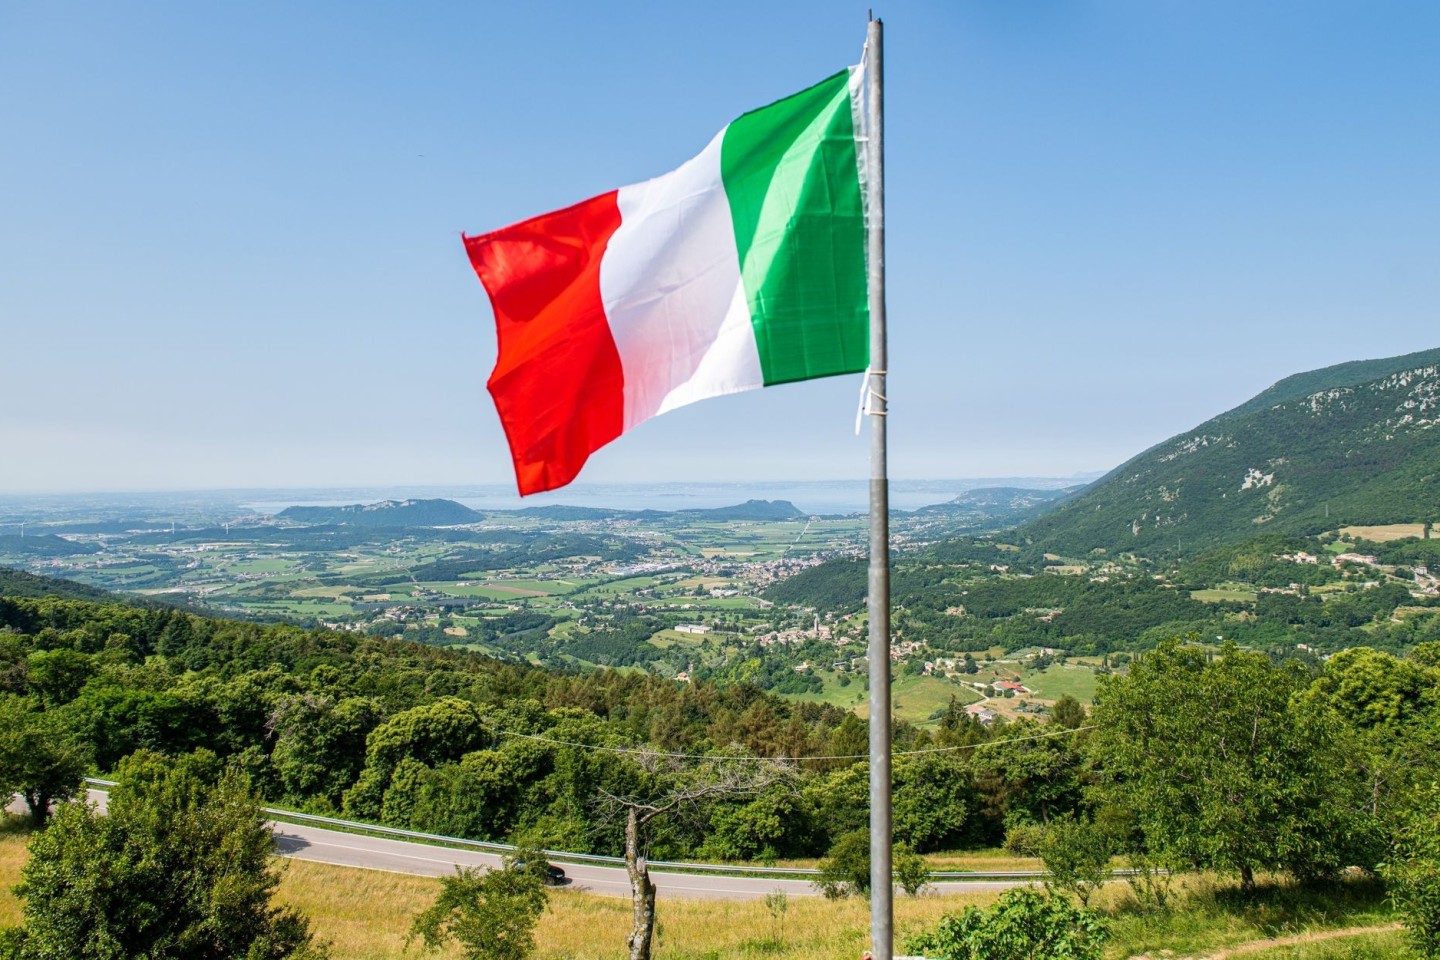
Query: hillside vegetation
x,y
18,583
1286,769
440,740
1357,443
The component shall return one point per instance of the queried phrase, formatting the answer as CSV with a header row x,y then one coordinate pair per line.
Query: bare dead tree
x,y
676,792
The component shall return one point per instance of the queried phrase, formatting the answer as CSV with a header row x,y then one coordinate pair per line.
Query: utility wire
x,y
641,751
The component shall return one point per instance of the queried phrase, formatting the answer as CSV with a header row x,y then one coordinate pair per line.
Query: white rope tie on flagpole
x,y
876,395
867,393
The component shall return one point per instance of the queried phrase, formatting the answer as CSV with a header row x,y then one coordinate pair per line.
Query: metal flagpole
x,y
882,946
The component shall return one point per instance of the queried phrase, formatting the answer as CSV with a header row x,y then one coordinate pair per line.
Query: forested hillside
x,y
837,585
1275,593
1354,444
18,583
452,742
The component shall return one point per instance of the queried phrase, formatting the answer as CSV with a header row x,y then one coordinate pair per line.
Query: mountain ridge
x,y
1354,443
387,513
442,513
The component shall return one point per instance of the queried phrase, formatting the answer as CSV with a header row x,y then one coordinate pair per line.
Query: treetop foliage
x,y
179,868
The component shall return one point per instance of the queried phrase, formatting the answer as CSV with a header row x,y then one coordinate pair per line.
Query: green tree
x,y
958,727
38,759
320,743
1068,712
491,914
121,710
1413,874
841,800
775,824
1077,855
14,663
1022,925
845,870
476,797
1388,706
911,871
1375,690
850,738
56,676
179,869
933,800
1029,774
428,735
1223,763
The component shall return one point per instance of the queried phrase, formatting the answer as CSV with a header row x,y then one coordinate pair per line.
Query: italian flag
x,y
742,269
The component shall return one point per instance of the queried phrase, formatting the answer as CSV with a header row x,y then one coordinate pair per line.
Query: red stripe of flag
x,y
558,383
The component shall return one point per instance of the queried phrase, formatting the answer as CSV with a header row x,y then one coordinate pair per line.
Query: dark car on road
x,y
551,874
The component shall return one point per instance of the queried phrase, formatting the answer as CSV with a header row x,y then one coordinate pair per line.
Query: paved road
x,y
305,842
403,856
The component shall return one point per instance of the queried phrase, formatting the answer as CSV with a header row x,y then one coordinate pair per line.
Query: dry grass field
x,y
366,915
1392,531
12,858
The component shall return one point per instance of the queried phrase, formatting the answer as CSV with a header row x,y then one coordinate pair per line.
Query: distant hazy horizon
x,y
814,496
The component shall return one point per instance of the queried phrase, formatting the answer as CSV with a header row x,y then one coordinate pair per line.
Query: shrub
x,y
490,913
1023,839
777,903
911,871
1077,857
846,869
1022,925
1151,884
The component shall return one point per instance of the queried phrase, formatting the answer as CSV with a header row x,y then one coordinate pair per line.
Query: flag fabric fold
x,y
743,268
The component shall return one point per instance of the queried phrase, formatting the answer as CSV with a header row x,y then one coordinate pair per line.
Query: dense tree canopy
x,y
1225,764
1198,747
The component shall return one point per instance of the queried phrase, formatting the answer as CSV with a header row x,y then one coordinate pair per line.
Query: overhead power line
x,y
732,758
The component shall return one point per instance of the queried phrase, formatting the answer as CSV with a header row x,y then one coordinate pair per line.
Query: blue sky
x,y
230,255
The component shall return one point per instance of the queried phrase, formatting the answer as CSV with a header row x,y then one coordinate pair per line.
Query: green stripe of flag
x,y
793,184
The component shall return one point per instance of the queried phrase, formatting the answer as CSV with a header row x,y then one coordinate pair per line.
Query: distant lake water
x,y
834,496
